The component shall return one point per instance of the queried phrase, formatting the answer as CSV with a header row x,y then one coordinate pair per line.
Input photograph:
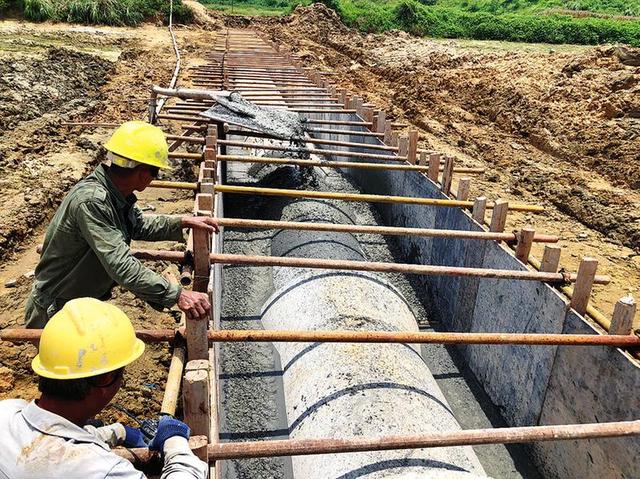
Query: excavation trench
x,y
302,390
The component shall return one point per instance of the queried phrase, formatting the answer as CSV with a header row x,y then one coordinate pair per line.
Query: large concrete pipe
x,y
347,390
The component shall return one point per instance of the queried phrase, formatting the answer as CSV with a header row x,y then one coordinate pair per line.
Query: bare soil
x,y
51,74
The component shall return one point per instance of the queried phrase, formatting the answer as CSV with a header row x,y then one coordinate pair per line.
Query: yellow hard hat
x,y
87,337
141,142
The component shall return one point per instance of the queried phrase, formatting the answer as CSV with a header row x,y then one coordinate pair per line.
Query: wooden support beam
x,y
499,215
464,186
551,259
174,378
379,125
250,190
584,284
368,337
387,132
624,319
525,240
403,146
196,399
412,150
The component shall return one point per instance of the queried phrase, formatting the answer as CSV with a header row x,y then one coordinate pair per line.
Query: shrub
x,y
39,10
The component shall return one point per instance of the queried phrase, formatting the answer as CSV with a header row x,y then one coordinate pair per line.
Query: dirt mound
x,y
32,87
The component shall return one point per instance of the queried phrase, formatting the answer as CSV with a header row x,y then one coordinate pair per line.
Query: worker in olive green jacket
x,y
86,247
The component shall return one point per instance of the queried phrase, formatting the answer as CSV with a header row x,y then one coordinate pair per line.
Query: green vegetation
x,y
254,7
105,12
539,21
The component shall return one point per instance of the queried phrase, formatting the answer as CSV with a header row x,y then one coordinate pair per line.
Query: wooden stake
x,y
463,189
403,146
479,208
412,150
550,259
387,132
584,284
380,122
525,240
423,161
197,412
623,320
447,175
499,215
434,167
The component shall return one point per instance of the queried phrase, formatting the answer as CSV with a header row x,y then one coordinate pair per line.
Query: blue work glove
x,y
168,427
133,437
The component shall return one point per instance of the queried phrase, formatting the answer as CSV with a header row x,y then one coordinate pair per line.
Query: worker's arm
x,y
180,462
113,434
156,227
108,243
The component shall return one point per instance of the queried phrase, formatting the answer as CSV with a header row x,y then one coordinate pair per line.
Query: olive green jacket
x,y
86,250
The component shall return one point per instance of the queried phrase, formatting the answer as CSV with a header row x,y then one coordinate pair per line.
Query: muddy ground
x,y
51,74
553,125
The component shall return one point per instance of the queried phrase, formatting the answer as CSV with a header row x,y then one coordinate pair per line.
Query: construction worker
x,y
86,247
83,351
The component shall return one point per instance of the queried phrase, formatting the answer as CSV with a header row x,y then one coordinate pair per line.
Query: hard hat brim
x,y
40,370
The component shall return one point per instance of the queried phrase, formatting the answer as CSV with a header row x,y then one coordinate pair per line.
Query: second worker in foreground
x,y
86,249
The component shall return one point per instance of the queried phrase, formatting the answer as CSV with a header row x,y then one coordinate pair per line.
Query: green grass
x,y
255,7
97,12
509,20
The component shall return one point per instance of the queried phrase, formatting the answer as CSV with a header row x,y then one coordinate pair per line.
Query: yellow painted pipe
x,y
247,190
176,185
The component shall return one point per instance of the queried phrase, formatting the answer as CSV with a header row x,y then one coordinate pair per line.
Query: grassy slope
x,y
255,7
106,12
511,20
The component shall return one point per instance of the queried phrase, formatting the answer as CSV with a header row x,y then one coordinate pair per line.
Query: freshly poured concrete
x,y
530,385
354,390
251,377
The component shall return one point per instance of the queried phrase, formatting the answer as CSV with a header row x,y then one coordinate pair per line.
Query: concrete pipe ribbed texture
x,y
350,390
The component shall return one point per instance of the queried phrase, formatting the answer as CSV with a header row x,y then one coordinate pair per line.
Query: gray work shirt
x,y
39,444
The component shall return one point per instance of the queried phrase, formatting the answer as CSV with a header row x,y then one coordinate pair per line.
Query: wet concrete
x,y
252,400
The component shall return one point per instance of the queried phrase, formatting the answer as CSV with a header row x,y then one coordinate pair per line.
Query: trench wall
x,y
530,384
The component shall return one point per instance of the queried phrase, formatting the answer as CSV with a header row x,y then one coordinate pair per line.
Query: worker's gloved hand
x,y
133,437
168,427
201,223
196,305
